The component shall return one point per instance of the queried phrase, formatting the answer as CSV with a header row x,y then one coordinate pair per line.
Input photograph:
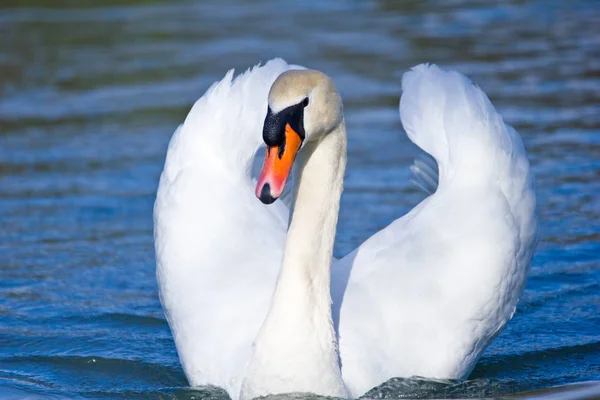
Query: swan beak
x,y
277,166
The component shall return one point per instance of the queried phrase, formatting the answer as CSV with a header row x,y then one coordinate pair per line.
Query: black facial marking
x,y
274,126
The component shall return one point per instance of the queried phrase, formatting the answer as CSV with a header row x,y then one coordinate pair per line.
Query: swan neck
x,y
313,221
296,349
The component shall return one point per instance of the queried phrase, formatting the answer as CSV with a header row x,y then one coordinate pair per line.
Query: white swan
x,y
424,296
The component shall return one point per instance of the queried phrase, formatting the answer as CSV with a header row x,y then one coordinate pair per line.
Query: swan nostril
x,y
265,194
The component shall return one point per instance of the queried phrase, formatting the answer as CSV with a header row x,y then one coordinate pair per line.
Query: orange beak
x,y
277,167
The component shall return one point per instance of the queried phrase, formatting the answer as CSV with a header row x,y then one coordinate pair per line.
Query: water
x,y
90,95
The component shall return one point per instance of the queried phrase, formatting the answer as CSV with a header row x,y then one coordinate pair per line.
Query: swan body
x,y
258,308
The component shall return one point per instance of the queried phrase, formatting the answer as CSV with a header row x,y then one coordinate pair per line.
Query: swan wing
x,y
427,294
218,248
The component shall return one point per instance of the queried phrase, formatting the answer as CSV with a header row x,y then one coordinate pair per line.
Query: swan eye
x,y
305,102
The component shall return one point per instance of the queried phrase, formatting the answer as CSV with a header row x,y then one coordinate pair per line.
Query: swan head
x,y
303,106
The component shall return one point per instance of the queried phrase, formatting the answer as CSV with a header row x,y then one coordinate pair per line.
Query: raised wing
x,y
426,295
218,248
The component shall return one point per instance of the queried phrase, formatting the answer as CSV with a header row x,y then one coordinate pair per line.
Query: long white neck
x,y
296,349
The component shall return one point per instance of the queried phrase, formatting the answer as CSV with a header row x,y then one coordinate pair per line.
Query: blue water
x,y
90,93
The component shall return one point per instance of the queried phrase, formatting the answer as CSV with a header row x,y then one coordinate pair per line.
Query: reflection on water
x,y
90,94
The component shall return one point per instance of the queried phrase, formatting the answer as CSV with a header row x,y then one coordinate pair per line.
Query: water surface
x,y
90,95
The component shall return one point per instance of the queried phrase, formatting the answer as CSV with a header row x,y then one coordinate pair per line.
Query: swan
x,y
255,301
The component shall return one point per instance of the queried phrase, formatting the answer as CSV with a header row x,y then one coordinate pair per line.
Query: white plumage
x,y
424,296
